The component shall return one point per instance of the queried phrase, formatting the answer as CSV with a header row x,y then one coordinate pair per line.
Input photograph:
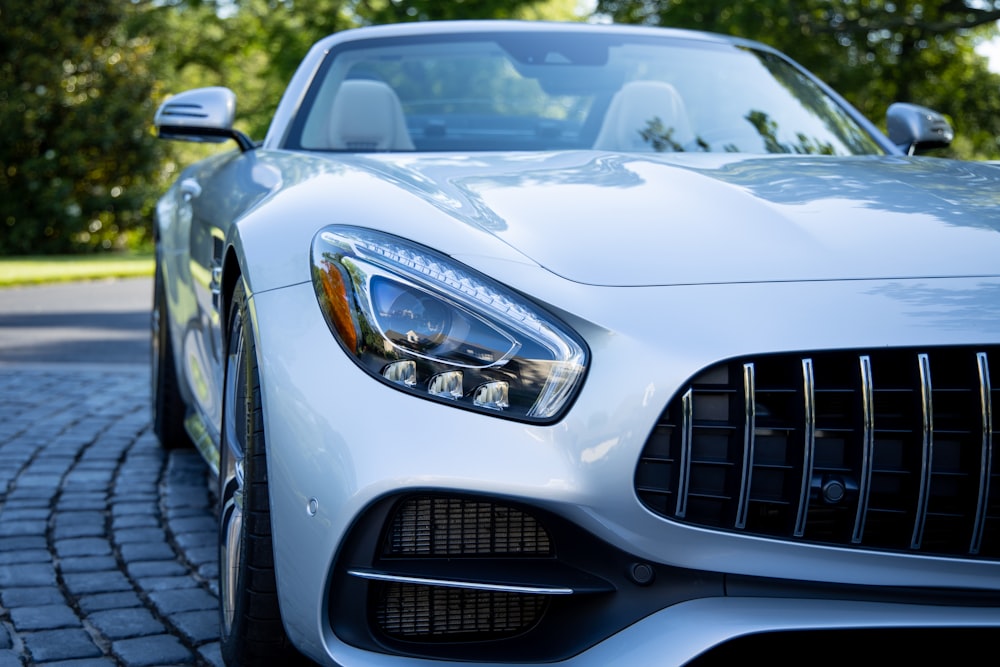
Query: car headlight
x,y
427,325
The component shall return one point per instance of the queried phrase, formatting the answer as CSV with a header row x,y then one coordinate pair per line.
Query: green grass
x,y
37,270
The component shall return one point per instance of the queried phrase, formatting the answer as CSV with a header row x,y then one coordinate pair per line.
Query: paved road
x,y
107,543
104,322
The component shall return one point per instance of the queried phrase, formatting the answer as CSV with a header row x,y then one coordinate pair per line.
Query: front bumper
x,y
339,443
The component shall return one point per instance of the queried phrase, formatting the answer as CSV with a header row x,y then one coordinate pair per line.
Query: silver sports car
x,y
589,345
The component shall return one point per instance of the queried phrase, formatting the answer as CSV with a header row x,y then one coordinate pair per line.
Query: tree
x,y
75,101
875,52
254,46
80,81
396,11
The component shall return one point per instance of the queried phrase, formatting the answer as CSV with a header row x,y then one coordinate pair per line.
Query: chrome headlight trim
x,y
407,314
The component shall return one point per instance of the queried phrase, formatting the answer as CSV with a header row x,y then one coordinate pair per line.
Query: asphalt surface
x,y
105,322
108,550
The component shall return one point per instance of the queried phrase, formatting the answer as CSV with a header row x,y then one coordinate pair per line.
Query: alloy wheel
x,y
231,476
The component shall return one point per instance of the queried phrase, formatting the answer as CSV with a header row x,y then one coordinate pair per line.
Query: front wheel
x,y
252,632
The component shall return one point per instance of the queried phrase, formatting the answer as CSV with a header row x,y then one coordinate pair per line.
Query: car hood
x,y
617,220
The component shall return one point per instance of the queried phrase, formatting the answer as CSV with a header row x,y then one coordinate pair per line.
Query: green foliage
x,y
75,103
394,11
254,46
29,270
873,52
79,82
250,46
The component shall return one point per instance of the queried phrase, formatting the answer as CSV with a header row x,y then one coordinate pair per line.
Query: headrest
x,y
645,116
367,116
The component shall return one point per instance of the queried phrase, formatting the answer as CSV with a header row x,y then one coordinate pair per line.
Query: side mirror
x,y
201,115
914,128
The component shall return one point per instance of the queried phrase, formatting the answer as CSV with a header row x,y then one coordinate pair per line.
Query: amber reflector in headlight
x,y
425,613
427,325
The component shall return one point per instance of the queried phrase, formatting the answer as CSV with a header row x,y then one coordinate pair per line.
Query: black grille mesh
x,y
883,449
458,527
437,529
427,613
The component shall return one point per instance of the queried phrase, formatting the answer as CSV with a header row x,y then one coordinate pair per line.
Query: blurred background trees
x,y
76,93
80,168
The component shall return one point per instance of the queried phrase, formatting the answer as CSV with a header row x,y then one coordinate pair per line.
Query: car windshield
x,y
559,90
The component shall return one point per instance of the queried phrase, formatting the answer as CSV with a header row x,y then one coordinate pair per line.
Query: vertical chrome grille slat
x,y
687,431
749,433
927,450
808,446
861,449
986,457
867,447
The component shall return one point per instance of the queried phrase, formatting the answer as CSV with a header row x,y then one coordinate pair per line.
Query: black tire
x,y
168,407
251,628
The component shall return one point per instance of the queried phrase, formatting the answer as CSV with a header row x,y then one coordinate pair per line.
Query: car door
x,y
202,344
218,198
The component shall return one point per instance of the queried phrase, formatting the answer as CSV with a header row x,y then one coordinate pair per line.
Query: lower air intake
x,y
436,526
435,613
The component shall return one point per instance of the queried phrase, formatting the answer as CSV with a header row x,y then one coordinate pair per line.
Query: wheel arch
x,y
232,272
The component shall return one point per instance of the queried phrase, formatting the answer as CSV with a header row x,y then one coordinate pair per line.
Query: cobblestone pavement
x,y
107,543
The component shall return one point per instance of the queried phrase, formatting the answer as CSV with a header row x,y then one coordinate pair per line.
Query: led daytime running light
x,y
421,265
426,325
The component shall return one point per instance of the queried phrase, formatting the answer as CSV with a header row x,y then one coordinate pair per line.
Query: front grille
x,y
436,613
881,449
